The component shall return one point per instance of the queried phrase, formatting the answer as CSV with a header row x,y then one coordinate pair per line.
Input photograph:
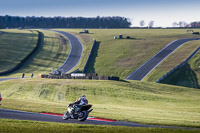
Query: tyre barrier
x,y
90,76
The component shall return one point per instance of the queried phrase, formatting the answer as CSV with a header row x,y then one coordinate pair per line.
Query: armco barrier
x,y
89,56
178,66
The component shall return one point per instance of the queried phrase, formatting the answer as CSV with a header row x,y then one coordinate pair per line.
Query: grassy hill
x,y
54,51
173,60
118,57
15,45
121,57
188,75
142,102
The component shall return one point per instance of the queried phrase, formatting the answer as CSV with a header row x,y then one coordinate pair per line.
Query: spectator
x,y
23,75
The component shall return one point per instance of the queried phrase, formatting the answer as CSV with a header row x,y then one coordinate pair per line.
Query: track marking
x,y
89,118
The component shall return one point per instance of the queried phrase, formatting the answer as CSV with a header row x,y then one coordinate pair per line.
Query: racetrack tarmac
x,y
147,67
21,115
75,53
2,79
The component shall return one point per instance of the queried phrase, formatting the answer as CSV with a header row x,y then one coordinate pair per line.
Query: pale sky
x,y
163,12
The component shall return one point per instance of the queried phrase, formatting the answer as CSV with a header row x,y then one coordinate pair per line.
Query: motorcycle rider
x,y
81,101
78,110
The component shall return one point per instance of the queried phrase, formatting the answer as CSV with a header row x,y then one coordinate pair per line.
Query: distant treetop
x,y
64,22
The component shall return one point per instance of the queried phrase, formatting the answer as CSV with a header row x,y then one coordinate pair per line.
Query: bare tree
x,y
142,23
151,23
175,24
182,24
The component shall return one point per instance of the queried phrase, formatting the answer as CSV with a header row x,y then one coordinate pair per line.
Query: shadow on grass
x,y
91,61
125,81
28,59
131,38
85,33
184,76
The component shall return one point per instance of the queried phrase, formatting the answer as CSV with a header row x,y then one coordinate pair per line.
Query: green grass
x,y
19,126
142,102
183,76
188,75
178,56
52,55
122,57
15,45
119,57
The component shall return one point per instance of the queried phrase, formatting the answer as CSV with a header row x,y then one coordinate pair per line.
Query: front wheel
x,y
83,115
66,115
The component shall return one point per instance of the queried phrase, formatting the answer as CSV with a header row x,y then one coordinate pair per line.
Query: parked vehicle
x,y
79,112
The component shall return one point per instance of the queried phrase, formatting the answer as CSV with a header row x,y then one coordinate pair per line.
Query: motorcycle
x,y
79,112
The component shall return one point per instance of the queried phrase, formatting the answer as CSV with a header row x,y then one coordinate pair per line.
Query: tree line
x,y
195,24
63,22
189,25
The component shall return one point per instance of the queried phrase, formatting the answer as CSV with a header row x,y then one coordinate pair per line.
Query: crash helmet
x,y
84,100
83,96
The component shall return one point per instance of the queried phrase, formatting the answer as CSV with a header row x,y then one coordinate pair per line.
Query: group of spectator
x,y
24,75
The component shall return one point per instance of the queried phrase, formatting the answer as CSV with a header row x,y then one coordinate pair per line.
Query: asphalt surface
x,y
75,53
2,79
21,115
147,67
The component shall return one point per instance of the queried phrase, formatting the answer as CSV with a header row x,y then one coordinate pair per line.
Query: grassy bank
x,y
121,57
188,75
15,45
178,56
17,126
118,57
54,51
142,102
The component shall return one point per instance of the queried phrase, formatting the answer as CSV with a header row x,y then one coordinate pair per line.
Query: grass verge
x,y
15,45
142,102
19,126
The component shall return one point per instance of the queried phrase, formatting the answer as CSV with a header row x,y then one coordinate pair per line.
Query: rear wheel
x,y
66,115
83,115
